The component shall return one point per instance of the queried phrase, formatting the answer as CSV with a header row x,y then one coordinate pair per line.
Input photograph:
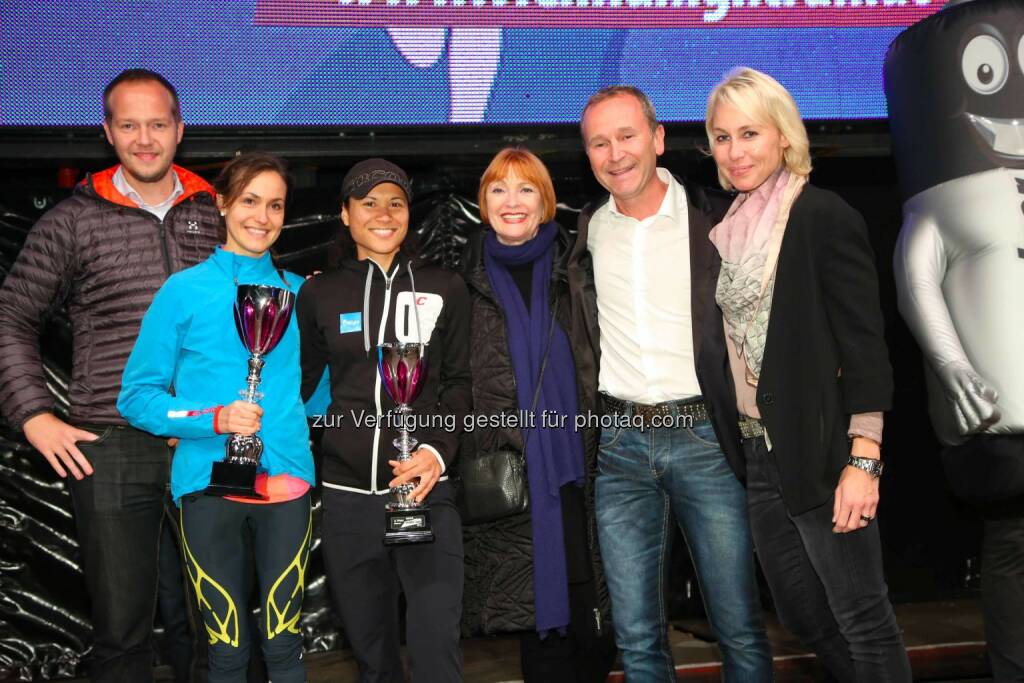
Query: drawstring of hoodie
x,y
415,299
366,303
366,307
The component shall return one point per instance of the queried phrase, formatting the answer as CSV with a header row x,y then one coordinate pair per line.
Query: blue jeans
x,y
646,480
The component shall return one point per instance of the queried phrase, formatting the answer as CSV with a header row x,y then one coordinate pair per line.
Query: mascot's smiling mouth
x,y
1004,136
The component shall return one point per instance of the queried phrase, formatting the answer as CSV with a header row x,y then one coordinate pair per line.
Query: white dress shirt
x,y
642,275
159,210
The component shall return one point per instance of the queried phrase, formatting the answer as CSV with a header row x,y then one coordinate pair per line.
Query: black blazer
x,y
825,356
705,209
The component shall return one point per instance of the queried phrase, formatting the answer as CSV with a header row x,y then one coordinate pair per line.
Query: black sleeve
x,y
455,393
850,285
37,284
312,345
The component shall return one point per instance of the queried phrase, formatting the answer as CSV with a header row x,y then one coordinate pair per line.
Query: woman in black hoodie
x,y
383,294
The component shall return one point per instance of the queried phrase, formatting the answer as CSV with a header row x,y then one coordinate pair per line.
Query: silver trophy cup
x,y
403,372
261,318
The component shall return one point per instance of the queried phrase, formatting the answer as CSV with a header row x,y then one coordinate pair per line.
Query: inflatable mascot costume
x,y
955,88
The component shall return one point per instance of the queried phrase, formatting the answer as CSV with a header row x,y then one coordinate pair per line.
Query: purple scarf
x,y
554,457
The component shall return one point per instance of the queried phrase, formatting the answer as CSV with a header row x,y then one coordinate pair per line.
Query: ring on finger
x,y
866,518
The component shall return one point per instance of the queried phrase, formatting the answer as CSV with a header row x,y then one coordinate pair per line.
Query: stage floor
x,y
945,640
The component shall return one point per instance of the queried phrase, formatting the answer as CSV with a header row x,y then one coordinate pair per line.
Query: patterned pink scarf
x,y
748,240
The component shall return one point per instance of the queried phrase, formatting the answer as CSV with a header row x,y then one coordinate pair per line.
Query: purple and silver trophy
x,y
261,318
403,372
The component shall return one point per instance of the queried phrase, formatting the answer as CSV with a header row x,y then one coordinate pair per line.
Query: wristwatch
x,y
872,466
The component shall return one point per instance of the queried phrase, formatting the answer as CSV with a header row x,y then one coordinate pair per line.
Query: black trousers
x,y
118,514
829,589
366,578
556,658
586,652
991,467
176,610
1002,589
573,657
219,565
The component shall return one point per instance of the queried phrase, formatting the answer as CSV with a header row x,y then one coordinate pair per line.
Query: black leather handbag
x,y
493,485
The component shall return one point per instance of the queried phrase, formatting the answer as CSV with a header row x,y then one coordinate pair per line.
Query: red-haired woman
x,y
537,572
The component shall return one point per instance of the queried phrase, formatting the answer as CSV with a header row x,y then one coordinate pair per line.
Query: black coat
x,y
704,209
498,595
825,356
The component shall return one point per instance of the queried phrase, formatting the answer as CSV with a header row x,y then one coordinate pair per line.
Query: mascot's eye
x,y
1020,54
985,65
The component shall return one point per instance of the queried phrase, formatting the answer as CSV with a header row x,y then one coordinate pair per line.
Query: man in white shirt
x,y
642,278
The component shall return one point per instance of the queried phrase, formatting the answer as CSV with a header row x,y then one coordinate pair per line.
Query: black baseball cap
x,y
370,173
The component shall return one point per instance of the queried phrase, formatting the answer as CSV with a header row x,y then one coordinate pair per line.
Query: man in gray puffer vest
x,y
103,253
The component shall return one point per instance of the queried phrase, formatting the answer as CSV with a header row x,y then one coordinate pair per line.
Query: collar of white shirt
x,y
672,206
161,208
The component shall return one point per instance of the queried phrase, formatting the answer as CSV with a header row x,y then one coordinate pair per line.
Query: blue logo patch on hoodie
x,y
351,322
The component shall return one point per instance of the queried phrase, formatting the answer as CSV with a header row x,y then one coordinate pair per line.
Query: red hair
x,y
527,166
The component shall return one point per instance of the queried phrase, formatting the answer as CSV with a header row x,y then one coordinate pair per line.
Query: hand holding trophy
x,y
403,372
261,318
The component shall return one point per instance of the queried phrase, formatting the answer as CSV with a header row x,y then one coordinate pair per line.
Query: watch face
x,y
869,465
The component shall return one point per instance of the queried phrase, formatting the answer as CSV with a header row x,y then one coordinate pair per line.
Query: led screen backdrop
x,y
347,62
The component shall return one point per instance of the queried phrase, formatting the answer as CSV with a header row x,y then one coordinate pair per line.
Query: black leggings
x,y
212,531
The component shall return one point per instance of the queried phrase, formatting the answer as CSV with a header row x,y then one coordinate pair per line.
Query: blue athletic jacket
x,y
189,359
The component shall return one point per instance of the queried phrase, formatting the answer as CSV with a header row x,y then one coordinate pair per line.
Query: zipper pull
x,y
597,620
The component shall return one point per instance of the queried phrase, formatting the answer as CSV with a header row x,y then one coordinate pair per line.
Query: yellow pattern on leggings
x,y
278,619
224,630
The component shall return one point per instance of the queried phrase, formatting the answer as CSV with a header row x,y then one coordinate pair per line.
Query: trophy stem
x,y
405,443
253,379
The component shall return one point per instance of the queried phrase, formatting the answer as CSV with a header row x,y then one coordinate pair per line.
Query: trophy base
x,y
407,526
233,479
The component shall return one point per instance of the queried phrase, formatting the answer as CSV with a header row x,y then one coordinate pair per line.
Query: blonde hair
x,y
763,99
527,166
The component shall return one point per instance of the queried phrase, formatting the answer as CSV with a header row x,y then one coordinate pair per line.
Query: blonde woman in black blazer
x,y
799,297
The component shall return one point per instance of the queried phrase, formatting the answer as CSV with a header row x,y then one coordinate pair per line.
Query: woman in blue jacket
x,y
183,379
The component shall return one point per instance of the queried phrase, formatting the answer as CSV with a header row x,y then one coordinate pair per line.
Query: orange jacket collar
x,y
103,184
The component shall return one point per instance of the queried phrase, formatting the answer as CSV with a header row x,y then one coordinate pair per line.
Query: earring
x,y
221,214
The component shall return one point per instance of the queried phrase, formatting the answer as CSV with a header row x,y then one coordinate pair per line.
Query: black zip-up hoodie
x,y
342,316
